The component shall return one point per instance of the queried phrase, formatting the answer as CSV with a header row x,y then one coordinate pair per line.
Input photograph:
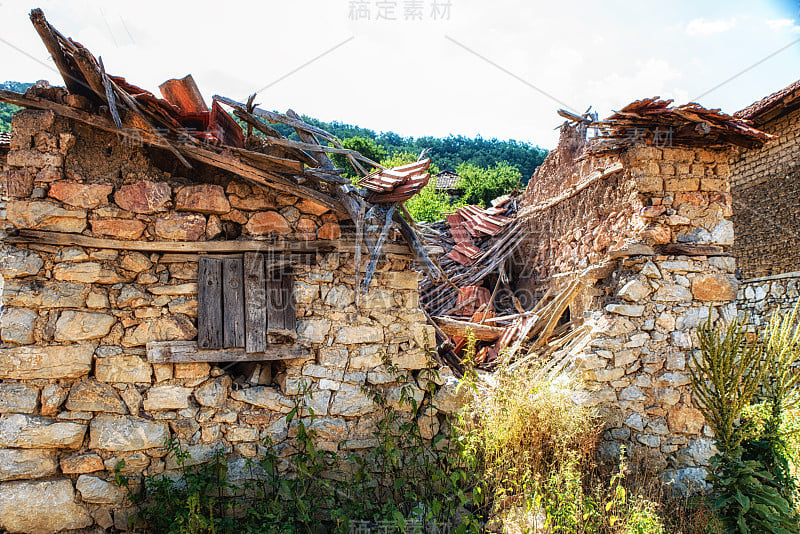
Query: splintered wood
x,y
538,336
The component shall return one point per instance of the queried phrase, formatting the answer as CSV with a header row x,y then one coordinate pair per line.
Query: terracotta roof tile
x,y
751,112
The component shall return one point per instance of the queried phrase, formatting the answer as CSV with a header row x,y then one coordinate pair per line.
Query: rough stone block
x,y
41,507
80,195
16,262
40,215
202,198
34,432
264,397
126,433
16,325
18,397
83,326
23,363
143,197
167,398
98,491
20,464
91,396
124,368
81,463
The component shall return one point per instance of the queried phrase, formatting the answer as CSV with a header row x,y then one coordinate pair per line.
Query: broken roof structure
x,y
182,123
480,245
779,102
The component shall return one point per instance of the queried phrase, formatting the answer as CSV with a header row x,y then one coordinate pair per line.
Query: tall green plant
x,y
781,341
725,381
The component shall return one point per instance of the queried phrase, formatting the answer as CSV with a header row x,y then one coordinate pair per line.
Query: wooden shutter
x,y
242,300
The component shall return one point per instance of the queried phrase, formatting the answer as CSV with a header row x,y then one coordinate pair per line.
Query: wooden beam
x,y
481,332
188,352
60,238
71,75
233,312
690,249
42,237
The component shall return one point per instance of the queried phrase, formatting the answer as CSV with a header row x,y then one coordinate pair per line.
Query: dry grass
x,y
538,452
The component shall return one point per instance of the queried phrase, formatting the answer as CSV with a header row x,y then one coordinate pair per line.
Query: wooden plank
x,y
255,302
72,76
209,289
233,320
275,312
189,352
482,332
296,247
691,249
287,288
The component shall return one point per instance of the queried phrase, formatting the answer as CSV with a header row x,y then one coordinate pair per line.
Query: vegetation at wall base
x,y
521,457
754,488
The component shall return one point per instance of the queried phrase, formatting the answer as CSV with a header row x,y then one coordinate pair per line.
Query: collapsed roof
x,y
654,121
182,123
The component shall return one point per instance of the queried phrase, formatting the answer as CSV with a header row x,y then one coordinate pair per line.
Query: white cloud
x,y
778,25
709,27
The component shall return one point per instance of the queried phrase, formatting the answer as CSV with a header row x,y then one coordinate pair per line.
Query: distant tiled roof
x,y
784,97
446,180
5,139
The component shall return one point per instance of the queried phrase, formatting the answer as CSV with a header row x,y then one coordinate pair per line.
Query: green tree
x,y
482,185
366,147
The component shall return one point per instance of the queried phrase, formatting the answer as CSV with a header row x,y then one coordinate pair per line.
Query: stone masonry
x,y
77,393
643,305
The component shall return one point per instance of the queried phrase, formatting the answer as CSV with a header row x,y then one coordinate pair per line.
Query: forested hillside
x,y
7,110
446,152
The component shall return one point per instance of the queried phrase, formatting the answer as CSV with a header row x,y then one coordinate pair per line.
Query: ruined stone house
x,y
642,215
198,283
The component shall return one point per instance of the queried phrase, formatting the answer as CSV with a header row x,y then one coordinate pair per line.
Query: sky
x,y
498,69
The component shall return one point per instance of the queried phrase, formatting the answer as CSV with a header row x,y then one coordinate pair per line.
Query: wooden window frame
x,y
246,312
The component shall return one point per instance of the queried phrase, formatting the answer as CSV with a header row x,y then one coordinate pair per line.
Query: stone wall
x,y
646,304
766,192
77,393
758,298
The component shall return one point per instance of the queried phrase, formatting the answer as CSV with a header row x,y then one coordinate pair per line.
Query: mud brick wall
x,y
645,306
766,192
77,393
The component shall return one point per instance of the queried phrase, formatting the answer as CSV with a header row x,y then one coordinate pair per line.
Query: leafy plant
x,y
725,381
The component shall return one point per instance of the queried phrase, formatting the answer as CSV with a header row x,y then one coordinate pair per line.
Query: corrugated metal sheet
x,y
5,139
